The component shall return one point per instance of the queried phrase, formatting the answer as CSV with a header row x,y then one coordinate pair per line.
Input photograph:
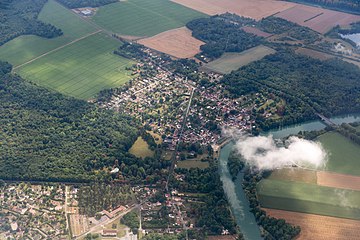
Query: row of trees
x,y
19,17
352,6
85,3
350,131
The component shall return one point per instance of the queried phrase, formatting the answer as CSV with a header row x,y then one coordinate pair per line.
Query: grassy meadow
x,y
144,17
344,155
81,69
232,61
27,47
141,149
309,198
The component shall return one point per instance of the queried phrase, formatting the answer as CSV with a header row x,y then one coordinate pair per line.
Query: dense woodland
x,y
85,3
19,17
307,85
47,136
214,215
222,35
352,6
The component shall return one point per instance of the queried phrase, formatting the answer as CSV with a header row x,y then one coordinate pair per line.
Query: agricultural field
x,y
177,42
81,69
338,180
319,227
294,174
344,154
309,198
192,164
232,61
256,9
141,149
143,18
318,19
27,47
314,54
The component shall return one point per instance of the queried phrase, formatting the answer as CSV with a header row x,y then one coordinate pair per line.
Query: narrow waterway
x,y
234,191
237,198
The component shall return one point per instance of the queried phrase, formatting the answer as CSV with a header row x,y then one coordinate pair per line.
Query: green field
x,y
232,61
141,149
309,198
25,48
144,17
344,155
81,69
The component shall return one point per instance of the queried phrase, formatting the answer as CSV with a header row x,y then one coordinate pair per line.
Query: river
x,y
234,191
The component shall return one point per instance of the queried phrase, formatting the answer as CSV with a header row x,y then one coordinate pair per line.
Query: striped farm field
x,y
144,17
80,69
309,198
27,47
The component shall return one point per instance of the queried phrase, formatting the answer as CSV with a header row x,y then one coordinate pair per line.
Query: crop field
x,y
294,174
27,47
81,69
319,227
143,17
318,19
309,198
314,54
192,164
338,180
232,61
256,9
177,42
141,149
344,154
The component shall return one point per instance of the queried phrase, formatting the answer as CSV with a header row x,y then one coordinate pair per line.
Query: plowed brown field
x,y
320,227
256,9
318,19
338,180
177,42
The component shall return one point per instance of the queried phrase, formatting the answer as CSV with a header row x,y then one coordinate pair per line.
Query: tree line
x,y
85,3
19,17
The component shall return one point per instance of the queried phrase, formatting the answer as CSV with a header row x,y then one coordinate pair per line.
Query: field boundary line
x,y
56,49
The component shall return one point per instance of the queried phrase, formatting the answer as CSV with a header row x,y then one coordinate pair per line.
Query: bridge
x,y
326,120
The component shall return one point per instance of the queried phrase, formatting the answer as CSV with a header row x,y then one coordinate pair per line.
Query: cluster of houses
x,y
32,211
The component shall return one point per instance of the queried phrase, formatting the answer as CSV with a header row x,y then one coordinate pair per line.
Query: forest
x,y
19,17
47,136
306,84
85,3
222,35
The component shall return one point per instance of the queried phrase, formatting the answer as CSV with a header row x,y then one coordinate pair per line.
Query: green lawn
x,y
344,155
229,62
144,17
81,69
309,198
141,149
25,48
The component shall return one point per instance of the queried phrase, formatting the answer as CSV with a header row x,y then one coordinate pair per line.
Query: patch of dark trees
x,y
85,3
19,17
306,84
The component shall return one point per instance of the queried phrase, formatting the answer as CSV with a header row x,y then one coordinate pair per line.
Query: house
x,y
109,233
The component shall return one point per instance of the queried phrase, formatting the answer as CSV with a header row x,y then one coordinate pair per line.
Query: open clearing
x,y
81,69
319,19
314,54
256,31
177,42
319,227
232,61
344,154
309,198
192,164
27,47
256,9
143,17
141,149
